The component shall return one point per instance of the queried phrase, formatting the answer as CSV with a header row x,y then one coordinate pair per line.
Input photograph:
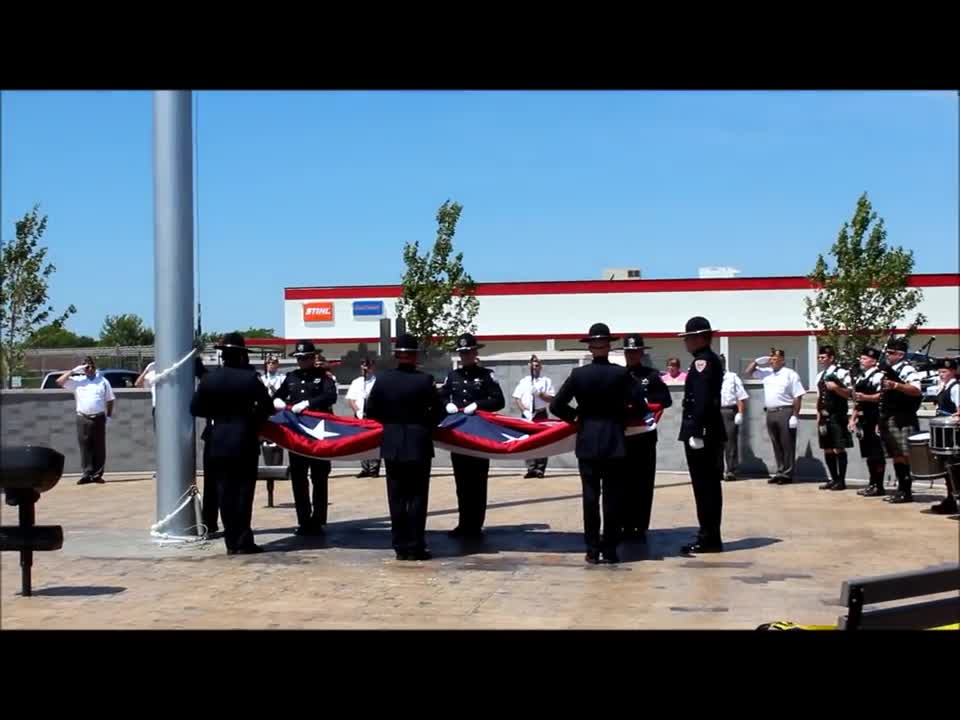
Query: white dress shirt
x,y
272,382
359,391
732,390
150,382
92,394
780,387
526,391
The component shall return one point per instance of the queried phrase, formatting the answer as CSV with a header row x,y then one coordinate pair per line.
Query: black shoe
x,y
421,554
827,485
730,477
402,555
784,480
839,486
592,557
250,549
702,546
873,491
530,474
773,480
947,507
85,481
465,533
98,479
363,474
309,531
900,497
539,476
611,557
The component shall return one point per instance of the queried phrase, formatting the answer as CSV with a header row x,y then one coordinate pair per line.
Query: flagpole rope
x,y
166,373
192,495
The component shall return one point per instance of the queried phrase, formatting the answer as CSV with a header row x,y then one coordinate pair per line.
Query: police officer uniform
x,y
309,388
703,435
898,421
602,393
948,401
405,401
832,422
641,442
237,404
868,418
467,389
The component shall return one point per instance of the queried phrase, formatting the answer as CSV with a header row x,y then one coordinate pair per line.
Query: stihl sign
x,y
318,312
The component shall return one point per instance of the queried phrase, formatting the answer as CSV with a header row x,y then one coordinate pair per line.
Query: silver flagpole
x,y
173,293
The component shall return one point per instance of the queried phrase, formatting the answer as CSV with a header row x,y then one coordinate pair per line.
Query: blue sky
x,y
310,188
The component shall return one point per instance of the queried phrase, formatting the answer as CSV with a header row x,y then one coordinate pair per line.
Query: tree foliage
x,y
24,291
125,329
438,300
864,292
57,336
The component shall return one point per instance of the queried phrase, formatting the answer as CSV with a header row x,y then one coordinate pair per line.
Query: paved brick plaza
x,y
789,550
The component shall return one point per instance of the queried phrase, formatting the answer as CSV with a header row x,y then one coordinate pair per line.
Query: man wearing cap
x,y
308,388
866,417
357,395
703,435
532,397
782,396
602,391
405,401
467,389
900,399
95,398
834,387
650,397
733,404
237,404
948,404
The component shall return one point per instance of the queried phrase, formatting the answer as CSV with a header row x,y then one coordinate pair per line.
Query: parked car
x,y
118,379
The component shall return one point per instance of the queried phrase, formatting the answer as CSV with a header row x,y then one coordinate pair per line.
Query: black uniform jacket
x,y
473,384
648,388
237,404
701,399
313,385
405,401
603,393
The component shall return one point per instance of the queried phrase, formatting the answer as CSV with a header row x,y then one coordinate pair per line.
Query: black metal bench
x,y
859,593
272,473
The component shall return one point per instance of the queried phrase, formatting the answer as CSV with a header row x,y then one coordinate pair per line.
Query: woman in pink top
x,y
673,375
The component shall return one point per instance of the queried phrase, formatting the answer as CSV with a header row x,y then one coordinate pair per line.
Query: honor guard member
x,y
467,389
948,403
899,402
237,404
648,390
866,418
602,393
703,435
308,388
834,387
405,401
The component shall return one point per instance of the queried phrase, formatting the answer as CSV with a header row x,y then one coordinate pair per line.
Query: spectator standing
x,y
95,398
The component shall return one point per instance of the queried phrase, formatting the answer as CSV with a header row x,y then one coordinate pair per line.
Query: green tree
x,y
24,291
864,293
57,336
253,332
438,301
123,330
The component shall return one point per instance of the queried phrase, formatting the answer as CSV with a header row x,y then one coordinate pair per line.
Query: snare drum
x,y
945,435
924,465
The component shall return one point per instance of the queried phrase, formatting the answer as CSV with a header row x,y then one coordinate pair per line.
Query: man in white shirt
x,y
782,394
357,395
532,397
95,399
733,404
272,379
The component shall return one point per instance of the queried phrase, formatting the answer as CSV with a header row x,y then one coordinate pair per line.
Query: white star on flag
x,y
319,432
514,439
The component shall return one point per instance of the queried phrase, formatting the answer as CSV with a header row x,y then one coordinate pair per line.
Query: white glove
x,y
470,409
738,419
792,422
763,360
451,409
360,415
279,404
108,419
300,406
78,370
150,366
695,443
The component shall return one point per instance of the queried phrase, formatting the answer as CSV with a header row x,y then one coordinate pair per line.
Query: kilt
x,y
833,433
895,438
871,446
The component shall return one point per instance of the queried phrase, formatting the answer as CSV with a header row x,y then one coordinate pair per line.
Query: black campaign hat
x,y
696,326
871,352
231,341
304,348
598,331
633,341
407,343
467,342
899,344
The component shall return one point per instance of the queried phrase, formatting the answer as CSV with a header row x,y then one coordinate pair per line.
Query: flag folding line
x,y
486,435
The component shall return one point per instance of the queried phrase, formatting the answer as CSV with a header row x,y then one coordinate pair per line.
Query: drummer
x,y
948,404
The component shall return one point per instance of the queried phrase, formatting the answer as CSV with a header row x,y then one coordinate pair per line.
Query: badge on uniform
x,y
317,380
645,381
700,365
